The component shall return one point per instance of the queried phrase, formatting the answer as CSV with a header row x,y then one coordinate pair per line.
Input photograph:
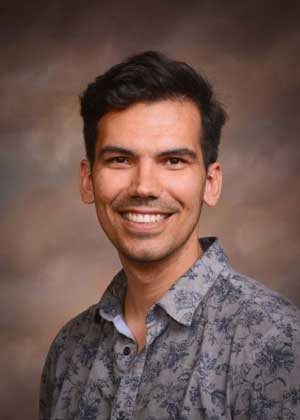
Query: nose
x,y
145,181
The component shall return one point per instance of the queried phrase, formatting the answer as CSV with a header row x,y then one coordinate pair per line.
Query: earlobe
x,y
213,184
86,184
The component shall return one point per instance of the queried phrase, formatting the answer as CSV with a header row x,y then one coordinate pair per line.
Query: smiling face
x,y
148,180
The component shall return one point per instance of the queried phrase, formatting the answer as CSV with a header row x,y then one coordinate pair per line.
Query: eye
x,y
117,160
174,161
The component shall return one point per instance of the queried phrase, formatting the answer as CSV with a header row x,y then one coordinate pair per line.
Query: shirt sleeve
x,y
54,370
47,386
271,390
57,361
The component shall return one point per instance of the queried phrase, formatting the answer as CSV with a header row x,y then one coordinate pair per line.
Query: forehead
x,y
162,124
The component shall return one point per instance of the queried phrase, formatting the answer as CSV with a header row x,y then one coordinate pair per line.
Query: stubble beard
x,y
148,256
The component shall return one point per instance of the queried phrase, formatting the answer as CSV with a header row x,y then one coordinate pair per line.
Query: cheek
x,y
187,188
108,187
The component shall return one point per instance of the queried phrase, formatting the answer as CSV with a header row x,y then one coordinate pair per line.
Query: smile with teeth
x,y
144,218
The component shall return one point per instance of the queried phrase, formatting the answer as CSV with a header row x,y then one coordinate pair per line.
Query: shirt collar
x,y
184,296
111,303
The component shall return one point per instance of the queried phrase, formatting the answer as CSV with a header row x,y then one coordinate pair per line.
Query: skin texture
x,y
138,169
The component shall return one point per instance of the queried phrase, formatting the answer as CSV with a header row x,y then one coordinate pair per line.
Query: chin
x,y
145,254
142,256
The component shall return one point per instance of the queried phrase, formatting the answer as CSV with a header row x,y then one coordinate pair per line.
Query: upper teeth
x,y
144,218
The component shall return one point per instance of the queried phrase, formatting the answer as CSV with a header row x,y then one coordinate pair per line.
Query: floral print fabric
x,y
219,346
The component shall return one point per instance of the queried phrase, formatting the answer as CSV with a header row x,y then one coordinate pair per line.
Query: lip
x,y
145,228
145,211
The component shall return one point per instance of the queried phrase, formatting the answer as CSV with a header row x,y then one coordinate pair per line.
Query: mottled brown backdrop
x,y
55,260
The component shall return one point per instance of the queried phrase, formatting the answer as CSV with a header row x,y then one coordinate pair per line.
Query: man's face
x,y
148,180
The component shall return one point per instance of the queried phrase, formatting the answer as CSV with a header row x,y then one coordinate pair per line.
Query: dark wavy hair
x,y
148,77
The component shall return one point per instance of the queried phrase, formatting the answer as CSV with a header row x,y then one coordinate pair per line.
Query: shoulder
x,y
240,308
233,290
59,357
254,295
72,333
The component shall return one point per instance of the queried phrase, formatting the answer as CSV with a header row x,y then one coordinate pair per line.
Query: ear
x,y
86,182
213,184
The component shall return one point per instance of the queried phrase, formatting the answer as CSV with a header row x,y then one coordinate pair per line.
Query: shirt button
x,y
126,351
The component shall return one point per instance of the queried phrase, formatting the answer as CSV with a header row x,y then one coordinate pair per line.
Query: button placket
x,y
126,351
132,366
124,403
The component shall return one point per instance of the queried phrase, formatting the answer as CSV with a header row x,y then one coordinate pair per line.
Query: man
x,y
178,334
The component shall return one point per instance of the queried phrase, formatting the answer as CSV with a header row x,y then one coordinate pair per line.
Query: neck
x,y
148,282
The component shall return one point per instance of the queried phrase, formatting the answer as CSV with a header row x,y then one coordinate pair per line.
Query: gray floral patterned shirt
x,y
219,346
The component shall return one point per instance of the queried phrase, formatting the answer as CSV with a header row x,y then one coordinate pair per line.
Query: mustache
x,y
154,203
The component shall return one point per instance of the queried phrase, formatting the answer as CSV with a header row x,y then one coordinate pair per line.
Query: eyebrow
x,y
114,149
181,151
